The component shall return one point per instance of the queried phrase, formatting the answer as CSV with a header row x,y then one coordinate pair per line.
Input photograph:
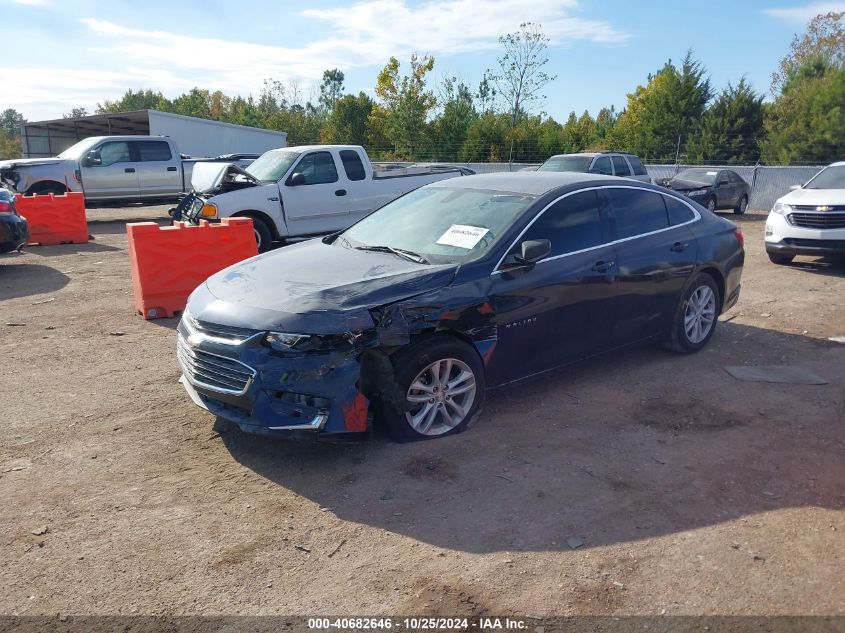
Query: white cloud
x,y
363,34
30,3
806,12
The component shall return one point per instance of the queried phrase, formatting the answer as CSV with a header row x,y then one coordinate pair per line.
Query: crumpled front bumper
x,y
314,394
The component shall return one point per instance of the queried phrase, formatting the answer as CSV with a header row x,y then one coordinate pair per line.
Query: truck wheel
x,y
263,236
44,188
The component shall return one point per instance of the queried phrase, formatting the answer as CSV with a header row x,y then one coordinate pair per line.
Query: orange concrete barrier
x,y
55,219
168,262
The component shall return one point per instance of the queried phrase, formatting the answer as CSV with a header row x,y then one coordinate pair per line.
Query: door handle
x,y
129,170
340,192
680,247
602,267
171,169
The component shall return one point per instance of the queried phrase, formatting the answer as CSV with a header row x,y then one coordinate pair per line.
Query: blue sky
x,y
60,54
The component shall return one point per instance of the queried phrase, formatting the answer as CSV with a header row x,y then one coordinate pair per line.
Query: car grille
x,y
215,372
818,220
228,333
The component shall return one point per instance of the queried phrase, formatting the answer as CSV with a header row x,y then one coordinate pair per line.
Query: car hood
x,y
814,197
208,177
685,185
313,288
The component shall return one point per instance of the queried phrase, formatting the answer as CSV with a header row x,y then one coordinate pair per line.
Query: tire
x,y
742,207
42,189
432,411
696,316
781,260
263,235
711,204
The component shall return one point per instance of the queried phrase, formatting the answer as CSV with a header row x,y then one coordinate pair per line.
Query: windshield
x,y
441,224
272,165
77,150
702,176
828,178
566,163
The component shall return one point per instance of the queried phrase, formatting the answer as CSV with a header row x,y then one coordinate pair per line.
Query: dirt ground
x,y
639,483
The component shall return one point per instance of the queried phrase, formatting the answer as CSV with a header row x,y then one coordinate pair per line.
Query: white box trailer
x,y
194,137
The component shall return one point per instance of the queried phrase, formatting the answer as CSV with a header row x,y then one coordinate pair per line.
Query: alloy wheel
x,y
700,314
440,397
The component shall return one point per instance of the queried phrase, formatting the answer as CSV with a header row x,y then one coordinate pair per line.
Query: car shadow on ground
x,y
57,250
118,227
637,444
821,266
23,280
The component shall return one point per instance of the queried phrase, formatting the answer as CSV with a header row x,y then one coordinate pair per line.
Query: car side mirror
x,y
531,252
794,187
297,179
91,159
723,182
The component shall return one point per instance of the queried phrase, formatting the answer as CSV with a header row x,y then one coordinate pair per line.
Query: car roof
x,y
579,154
534,183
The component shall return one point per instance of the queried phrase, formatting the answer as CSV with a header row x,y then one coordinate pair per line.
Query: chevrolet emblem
x,y
824,207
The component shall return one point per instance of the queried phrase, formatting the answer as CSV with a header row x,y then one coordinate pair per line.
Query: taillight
x,y
6,207
739,236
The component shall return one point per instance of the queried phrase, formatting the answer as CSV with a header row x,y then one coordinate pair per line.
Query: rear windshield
x,y
567,163
272,165
828,178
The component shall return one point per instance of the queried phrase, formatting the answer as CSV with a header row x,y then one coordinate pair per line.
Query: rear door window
x,y
678,211
637,165
152,150
602,166
352,164
571,224
620,166
637,211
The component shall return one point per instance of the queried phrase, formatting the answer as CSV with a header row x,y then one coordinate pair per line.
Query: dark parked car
x,y
622,164
712,188
14,232
460,286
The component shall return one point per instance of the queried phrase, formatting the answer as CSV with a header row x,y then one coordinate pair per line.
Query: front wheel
x,y
711,204
695,318
263,236
742,207
443,381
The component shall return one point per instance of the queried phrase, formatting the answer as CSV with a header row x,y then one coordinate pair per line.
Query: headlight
x,y
697,192
781,208
290,342
209,210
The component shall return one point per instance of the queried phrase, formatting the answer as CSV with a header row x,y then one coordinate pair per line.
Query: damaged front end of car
x,y
209,180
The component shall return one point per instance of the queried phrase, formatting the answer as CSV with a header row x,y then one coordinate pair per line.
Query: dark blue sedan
x,y
410,315
14,231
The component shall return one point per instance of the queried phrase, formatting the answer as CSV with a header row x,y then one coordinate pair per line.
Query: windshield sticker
x,y
711,173
462,236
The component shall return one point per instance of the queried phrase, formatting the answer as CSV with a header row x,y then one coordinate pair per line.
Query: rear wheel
x,y
443,382
780,259
695,317
742,207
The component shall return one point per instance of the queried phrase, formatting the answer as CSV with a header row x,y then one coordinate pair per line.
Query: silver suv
x,y
620,164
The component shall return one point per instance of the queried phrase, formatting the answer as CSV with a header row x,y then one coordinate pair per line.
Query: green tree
x,y
487,139
731,128
331,90
196,102
407,102
10,122
520,77
131,100
450,128
664,112
824,38
806,123
347,122
75,113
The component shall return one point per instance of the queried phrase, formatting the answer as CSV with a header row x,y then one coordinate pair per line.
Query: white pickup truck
x,y
108,168
303,191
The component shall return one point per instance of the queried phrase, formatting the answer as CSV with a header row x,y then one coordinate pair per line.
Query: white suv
x,y
810,219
